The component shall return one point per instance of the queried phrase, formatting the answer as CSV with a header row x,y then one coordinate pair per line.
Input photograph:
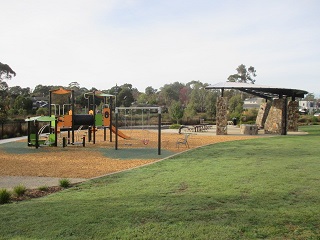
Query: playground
x,y
81,144
94,160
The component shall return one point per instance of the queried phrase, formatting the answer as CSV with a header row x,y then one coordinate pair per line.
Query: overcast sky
x,y
99,43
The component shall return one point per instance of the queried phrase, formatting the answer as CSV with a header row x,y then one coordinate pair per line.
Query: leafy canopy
x,y
243,75
6,72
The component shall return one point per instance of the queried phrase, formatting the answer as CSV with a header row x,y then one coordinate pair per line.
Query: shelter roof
x,y
260,90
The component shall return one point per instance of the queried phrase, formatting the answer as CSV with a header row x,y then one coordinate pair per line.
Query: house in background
x,y
250,103
39,102
308,107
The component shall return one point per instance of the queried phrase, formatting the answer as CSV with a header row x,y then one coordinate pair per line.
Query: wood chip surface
x,y
88,162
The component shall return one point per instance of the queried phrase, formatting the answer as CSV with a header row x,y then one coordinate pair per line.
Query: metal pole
x,y
55,132
37,135
72,107
116,111
94,117
159,131
110,116
29,132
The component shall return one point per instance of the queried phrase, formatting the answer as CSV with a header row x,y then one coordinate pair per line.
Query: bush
x,y
307,119
175,126
4,196
43,188
65,183
19,190
314,119
249,115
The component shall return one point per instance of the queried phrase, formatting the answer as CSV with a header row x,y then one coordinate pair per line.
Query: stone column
x,y
221,118
263,113
275,120
293,116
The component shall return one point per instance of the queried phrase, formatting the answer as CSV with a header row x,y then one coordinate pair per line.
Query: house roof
x,y
260,90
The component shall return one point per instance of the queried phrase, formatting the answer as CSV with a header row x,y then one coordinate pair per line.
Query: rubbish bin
x,y
234,120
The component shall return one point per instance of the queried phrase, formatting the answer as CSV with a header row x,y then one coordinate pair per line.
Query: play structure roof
x,y
41,119
260,90
61,91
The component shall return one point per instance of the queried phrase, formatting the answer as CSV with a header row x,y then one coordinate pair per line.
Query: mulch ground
x,y
91,161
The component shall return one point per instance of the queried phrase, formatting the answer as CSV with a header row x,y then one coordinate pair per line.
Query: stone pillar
x,y
263,113
221,118
293,116
275,120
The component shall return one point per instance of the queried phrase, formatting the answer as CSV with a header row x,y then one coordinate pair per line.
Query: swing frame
x,y
139,108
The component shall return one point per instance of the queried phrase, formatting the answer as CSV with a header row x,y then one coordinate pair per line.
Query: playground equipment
x,y
183,141
94,119
35,135
145,139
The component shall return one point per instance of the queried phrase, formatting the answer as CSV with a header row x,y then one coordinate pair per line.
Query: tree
x,y
16,91
211,100
235,106
23,103
190,111
198,96
6,72
309,97
170,92
243,75
125,97
176,111
150,90
42,90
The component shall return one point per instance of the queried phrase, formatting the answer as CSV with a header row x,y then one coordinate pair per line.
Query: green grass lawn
x,y
252,189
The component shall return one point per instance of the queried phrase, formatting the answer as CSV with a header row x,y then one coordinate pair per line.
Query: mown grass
x,y
254,189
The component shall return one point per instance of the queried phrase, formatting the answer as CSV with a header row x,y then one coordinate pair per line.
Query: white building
x,y
250,103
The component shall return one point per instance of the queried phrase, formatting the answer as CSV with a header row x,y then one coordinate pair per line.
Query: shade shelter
x,y
281,96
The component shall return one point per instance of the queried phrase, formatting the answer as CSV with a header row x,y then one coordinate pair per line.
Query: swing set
x,y
145,123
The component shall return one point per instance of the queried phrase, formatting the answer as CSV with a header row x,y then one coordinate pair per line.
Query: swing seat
x,y
145,141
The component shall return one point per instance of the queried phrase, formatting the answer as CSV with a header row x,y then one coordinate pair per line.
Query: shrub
x,y
19,190
4,196
43,188
314,119
175,126
65,183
